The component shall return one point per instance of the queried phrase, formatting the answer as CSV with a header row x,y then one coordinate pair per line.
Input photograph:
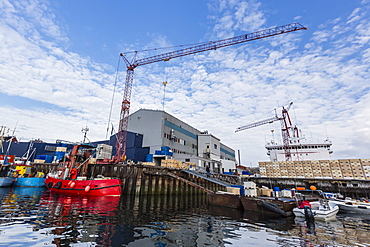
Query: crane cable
x,y
114,90
168,47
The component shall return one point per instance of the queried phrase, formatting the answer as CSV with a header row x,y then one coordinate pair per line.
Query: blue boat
x,y
26,176
29,182
6,181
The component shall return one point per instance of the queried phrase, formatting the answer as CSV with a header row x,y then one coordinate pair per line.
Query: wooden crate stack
x,y
148,163
366,168
283,169
172,163
262,166
298,169
346,169
357,170
316,169
269,169
291,170
276,169
307,169
335,169
325,169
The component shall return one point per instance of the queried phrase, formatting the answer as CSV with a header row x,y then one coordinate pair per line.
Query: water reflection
x,y
79,218
19,204
35,217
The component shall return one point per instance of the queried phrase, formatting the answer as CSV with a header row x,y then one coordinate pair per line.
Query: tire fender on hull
x,y
58,185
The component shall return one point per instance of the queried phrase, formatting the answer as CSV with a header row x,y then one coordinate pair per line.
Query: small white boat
x,y
321,210
352,206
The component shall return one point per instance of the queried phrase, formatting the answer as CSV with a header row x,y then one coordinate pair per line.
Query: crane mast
x,y
121,141
286,125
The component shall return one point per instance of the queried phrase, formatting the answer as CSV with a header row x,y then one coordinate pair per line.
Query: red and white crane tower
x,y
212,45
287,129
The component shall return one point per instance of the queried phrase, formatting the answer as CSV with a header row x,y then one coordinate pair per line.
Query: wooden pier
x,y
156,180
151,180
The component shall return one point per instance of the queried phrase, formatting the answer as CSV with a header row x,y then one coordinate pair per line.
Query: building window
x,y
215,146
187,160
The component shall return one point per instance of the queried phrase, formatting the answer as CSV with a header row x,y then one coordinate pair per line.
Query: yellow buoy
x,y
312,187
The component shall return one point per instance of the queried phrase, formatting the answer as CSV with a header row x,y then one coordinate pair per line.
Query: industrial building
x,y
149,132
186,143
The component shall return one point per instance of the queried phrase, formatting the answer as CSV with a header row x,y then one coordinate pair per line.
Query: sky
x,y
60,69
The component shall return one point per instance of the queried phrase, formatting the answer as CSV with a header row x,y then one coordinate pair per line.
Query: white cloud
x,y
236,15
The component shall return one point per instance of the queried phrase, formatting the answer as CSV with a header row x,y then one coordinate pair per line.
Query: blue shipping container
x,y
47,158
41,157
165,152
149,158
276,189
59,155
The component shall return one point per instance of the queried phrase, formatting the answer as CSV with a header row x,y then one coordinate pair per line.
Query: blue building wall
x,y
134,149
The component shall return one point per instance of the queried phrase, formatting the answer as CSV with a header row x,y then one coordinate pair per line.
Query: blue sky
x,y
59,58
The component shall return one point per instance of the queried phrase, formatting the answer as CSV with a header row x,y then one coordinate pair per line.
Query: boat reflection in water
x,y
80,218
34,192
14,196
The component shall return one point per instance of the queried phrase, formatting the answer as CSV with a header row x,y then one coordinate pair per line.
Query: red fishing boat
x,y
71,176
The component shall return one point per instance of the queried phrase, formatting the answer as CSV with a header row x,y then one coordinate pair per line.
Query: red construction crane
x,y
287,128
213,45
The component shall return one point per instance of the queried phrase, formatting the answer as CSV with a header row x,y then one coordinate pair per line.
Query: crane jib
x,y
213,45
125,109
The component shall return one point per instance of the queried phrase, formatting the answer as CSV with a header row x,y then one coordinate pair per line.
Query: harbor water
x,y
35,217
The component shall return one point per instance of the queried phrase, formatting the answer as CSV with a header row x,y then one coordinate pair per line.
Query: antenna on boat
x,y
111,104
10,143
327,136
3,129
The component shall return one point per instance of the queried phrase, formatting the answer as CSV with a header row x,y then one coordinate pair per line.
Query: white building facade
x,y
186,143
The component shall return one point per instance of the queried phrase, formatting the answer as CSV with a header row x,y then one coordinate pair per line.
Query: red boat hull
x,y
95,187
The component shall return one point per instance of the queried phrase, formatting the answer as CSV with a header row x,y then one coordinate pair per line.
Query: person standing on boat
x,y
208,171
305,203
74,173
